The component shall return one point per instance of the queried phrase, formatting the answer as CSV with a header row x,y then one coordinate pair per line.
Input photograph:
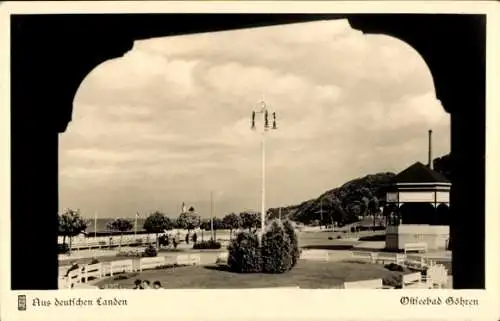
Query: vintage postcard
x,y
250,160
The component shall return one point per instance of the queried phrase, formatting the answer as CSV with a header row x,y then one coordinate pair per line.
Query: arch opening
x,y
181,69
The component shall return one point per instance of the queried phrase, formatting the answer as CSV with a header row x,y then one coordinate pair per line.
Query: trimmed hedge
x,y
150,251
276,249
278,253
207,245
294,239
244,253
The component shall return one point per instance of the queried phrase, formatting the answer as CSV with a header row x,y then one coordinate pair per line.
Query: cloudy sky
x,y
170,120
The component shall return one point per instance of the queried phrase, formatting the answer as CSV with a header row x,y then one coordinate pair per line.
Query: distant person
x,y
156,285
195,238
187,238
74,266
146,284
174,242
137,284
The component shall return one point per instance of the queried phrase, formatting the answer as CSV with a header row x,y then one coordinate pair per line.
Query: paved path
x,y
86,254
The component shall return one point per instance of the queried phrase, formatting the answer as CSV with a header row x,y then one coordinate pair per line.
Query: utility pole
x,y
212,214
321,212
263,110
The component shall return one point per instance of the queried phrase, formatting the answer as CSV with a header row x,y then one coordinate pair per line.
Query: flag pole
x,y
135,225
95,225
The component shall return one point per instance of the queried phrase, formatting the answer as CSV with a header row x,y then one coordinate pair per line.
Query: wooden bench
x,y
366,284
415,262
314,255
92,270
369,257
121,266
413,280
83,286
188,259
62,283
396,258
415,247
151,262
222,259
63,270
170,260
194,259
74,277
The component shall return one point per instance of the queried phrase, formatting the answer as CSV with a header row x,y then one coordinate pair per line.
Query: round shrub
x,y
207,245
394,267
294,240
330,238
276,249
244,253
278,253
150,251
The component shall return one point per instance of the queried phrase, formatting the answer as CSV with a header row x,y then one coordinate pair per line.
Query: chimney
x,y
430,149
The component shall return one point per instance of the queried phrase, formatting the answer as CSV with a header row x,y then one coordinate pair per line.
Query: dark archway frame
x,y
51,55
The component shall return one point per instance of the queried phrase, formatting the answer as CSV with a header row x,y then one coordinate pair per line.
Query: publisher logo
x,y
21,302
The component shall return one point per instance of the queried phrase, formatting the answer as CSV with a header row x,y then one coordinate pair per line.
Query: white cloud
x,y
170,121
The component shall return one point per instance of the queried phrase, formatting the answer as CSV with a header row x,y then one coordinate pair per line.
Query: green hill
x,y
344,204
358,197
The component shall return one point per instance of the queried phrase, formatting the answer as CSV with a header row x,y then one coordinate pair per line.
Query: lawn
x,y
307,274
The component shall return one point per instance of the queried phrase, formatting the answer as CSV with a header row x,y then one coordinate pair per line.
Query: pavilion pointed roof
x,y
419,173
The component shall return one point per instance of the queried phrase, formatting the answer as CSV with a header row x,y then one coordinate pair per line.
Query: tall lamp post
x,y
263,111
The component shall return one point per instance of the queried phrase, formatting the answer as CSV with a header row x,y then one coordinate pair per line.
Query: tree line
x,y
71,223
